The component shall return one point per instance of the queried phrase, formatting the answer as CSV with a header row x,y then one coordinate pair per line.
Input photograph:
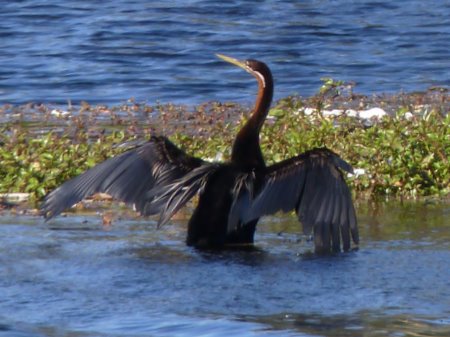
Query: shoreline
x,y
399,145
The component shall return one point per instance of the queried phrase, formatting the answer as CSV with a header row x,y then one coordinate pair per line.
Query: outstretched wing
x,y
131,177
313,185
169,198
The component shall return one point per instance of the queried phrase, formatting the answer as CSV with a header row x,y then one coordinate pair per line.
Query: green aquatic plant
x,y
35,165
404,155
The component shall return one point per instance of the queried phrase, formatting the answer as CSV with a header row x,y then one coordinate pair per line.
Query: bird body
x,y
211,224
160,178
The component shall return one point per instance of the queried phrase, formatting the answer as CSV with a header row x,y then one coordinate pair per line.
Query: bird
x,y
157,177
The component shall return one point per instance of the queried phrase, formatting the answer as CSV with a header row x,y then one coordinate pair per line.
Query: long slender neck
x,y
246,150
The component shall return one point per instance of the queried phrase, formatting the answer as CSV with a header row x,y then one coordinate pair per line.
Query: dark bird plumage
x,y
159,178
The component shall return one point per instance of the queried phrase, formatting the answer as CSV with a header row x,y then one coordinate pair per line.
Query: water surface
x,y
107,52
76,277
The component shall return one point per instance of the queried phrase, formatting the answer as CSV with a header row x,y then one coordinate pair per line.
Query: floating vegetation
x,y
399,145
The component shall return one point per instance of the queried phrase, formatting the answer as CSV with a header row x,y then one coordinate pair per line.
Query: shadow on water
x,y
76,277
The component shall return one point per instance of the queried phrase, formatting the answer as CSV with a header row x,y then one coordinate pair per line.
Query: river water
x,y
110,51
76,277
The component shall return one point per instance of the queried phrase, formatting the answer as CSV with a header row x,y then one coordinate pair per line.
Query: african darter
x,y
159,178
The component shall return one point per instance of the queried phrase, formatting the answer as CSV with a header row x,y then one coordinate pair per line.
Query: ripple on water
x,y
71,277
112,51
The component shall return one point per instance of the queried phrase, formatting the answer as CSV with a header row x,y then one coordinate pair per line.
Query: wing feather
x,y
175,195
313,185
129,177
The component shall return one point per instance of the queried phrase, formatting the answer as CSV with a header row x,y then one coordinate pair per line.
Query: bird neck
x,y
246,151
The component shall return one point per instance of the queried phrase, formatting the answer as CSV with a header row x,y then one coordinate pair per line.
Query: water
x,y
75,277
108,52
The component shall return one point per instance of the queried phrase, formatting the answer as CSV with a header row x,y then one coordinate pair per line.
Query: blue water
x,y
110,51
74,277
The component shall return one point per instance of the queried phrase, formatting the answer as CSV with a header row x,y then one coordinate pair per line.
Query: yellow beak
x,y
234,61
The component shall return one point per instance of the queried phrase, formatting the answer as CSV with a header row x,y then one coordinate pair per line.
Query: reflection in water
x,y
367,323
76,277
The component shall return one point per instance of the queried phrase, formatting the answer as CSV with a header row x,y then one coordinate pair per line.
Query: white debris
x,y
408,115
366,115
309,111
334,112
59,113
357,172
15,197
372,113
351,113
